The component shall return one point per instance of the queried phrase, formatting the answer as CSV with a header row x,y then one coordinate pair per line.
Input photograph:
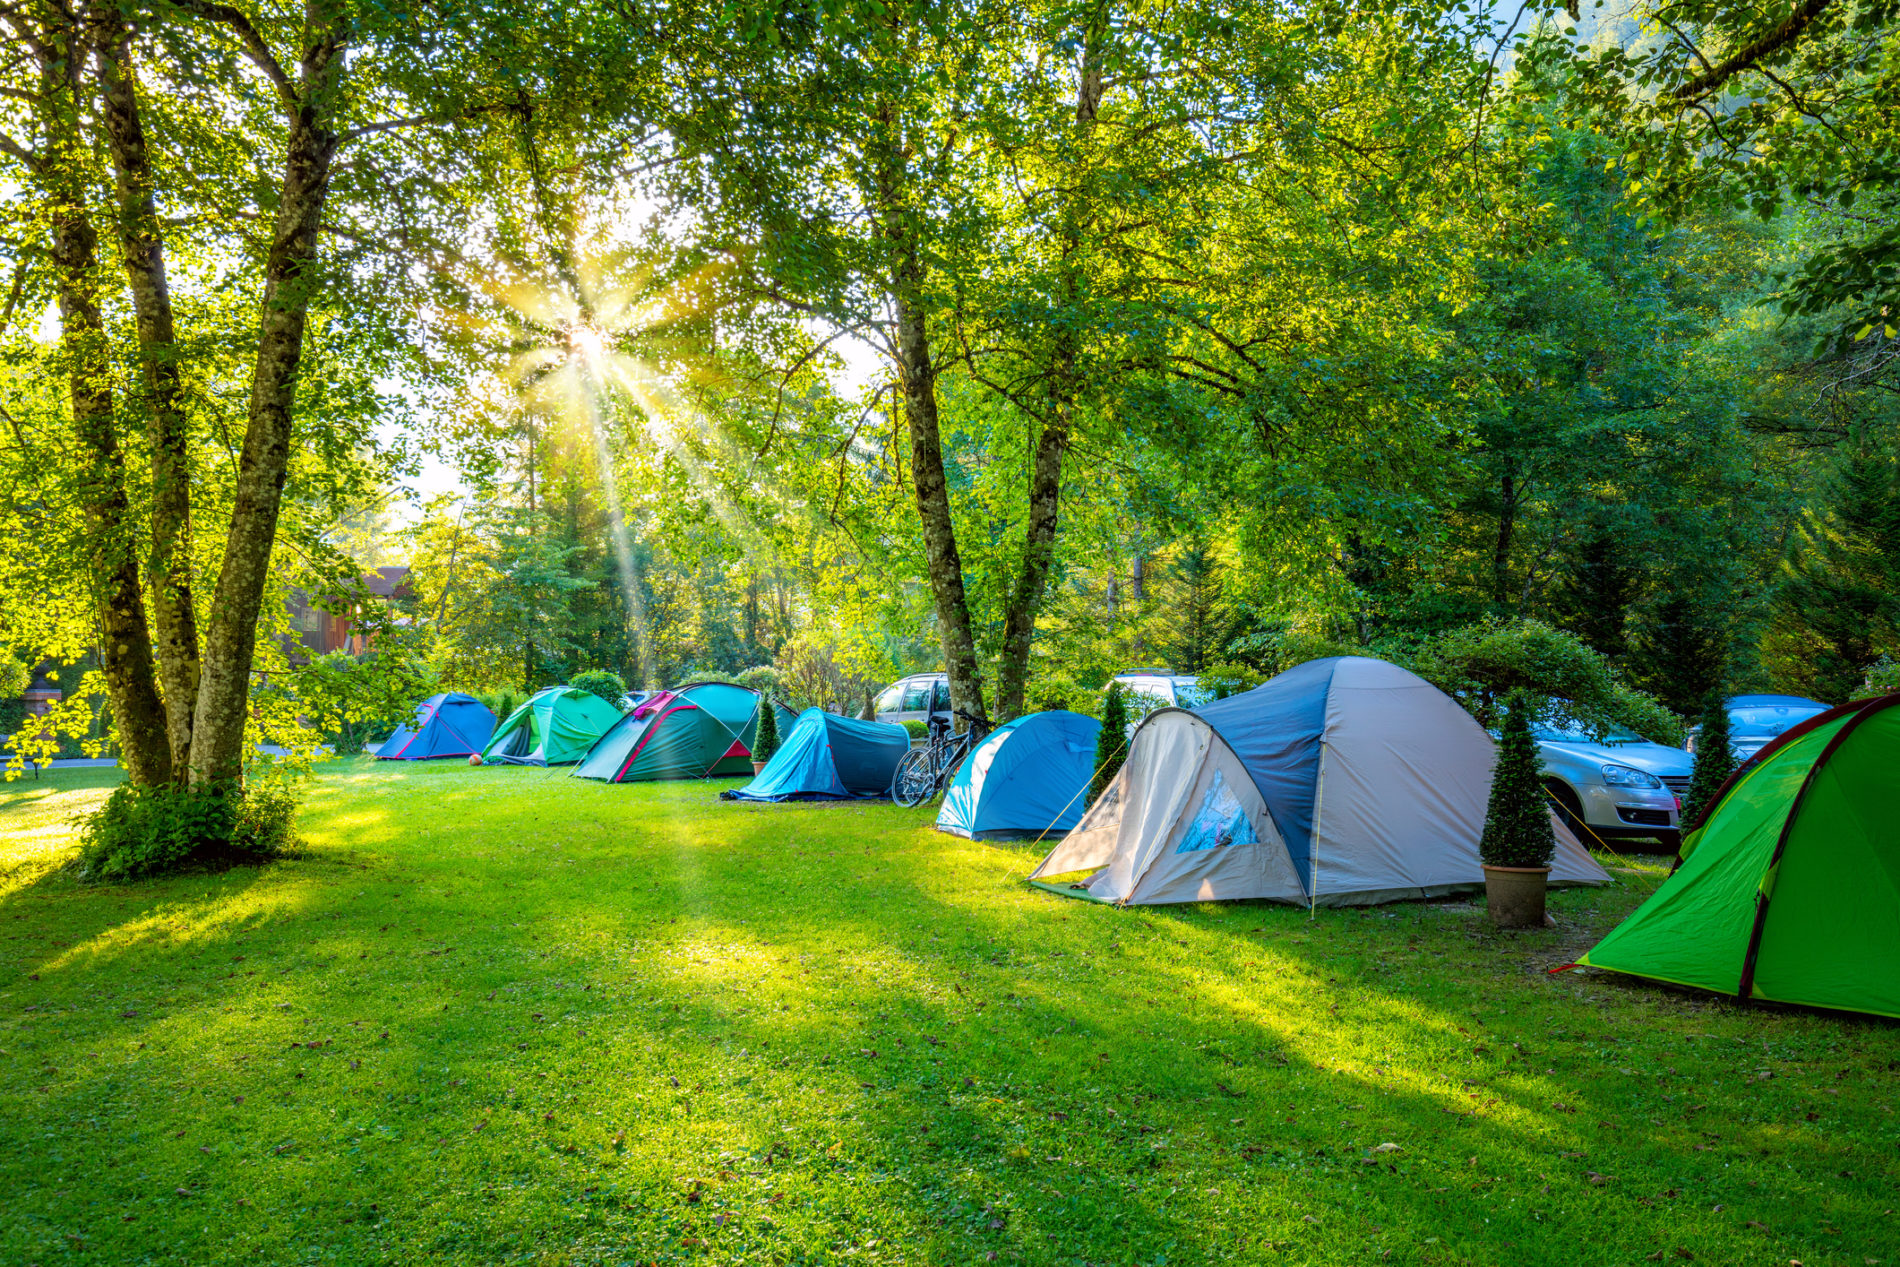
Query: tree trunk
x,y
917,375
142,249
125,643
1045,478
290,279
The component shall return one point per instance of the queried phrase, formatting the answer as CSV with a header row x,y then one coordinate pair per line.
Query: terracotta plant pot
x,y
1515,895
758,768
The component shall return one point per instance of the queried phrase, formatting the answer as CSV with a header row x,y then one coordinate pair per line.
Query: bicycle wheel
x,y
914,781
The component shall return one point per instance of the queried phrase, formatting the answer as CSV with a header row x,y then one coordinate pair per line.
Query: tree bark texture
x,y
291,276
918,377
1045,476
142,250
125,646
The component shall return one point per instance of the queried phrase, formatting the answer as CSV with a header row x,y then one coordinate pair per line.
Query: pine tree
x,y
1596,591
1517,831
1111,746
1682,653
1714,757
765,742
1840,592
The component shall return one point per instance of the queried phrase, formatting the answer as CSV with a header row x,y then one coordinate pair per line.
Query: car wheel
x,y
1568,807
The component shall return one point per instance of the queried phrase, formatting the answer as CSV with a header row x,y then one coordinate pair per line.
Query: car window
x,y
1770,720
916,696
1577,732
1189,693
940,698
892,699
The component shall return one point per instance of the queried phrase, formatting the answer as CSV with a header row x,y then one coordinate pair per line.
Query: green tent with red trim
x,y
1788,889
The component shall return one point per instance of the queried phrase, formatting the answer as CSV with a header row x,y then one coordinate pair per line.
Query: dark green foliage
x,y
1681,653
1111,746
1517,831
1714,757
151,831
766,741
1839,603
1594,594
607,686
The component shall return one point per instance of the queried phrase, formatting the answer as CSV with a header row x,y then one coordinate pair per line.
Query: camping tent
x,y
1341,782
699,731
828,757
443,726
1029,777
555,727
1789,888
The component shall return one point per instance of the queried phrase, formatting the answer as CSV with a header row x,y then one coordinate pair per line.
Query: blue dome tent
x,y
1028,778
826,757
449,725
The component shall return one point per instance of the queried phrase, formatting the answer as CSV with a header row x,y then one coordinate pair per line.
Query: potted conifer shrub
x,y
765,742
1518,842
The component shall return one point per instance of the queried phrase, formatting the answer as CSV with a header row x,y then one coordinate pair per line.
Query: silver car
x,y
918,697
1617,786
1755,720
1164,689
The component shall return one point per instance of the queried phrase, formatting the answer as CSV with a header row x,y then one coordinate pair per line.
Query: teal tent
x,y
828,757
555,727
704,730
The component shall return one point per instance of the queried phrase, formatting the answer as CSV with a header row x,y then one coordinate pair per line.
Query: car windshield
x,y
1770,720
1190,693
1571,731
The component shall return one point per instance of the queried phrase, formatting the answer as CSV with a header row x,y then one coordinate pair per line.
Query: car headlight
x,y
1625,776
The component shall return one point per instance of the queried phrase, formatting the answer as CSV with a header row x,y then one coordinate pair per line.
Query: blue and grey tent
x,y
826,757
448,725
1029,777
1341,782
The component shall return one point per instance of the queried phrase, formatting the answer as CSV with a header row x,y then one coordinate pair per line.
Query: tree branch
x,y
254,46
1746,56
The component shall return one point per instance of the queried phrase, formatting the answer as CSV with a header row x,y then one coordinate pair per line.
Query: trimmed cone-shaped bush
x,y
1714,758
765,742
1517,831
1111,745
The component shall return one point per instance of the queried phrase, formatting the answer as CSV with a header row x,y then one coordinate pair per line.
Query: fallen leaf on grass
x,y
1388,1148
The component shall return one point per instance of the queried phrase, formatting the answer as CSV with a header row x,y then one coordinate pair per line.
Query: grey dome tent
x,y
1341,782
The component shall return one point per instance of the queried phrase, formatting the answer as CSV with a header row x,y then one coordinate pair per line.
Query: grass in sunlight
x,y
501,1015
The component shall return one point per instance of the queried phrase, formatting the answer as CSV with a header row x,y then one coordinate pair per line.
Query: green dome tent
x,y
700,731
555,727
1788,890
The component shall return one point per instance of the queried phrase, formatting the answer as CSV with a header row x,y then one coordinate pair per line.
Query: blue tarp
x,y
1275,730
828,757
1029,777
449,725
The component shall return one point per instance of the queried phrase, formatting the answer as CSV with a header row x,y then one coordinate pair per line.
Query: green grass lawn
x,y
502,1015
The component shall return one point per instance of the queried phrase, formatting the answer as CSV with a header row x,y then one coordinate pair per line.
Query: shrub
x,y
917,728
1714,757
1051,692
1111,746
1222,680
145,831
1883,677
1479,665
1517,831
766,742
607,686
762,678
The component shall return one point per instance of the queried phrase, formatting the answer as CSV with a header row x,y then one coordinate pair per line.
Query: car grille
x,y
1677,783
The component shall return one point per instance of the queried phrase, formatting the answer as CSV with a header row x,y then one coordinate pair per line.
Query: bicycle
x,y
924,772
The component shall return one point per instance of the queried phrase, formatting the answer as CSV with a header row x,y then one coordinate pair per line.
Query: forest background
x,y
1521,346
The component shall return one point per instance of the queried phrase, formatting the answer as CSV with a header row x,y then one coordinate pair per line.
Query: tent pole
x,y
1319,804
